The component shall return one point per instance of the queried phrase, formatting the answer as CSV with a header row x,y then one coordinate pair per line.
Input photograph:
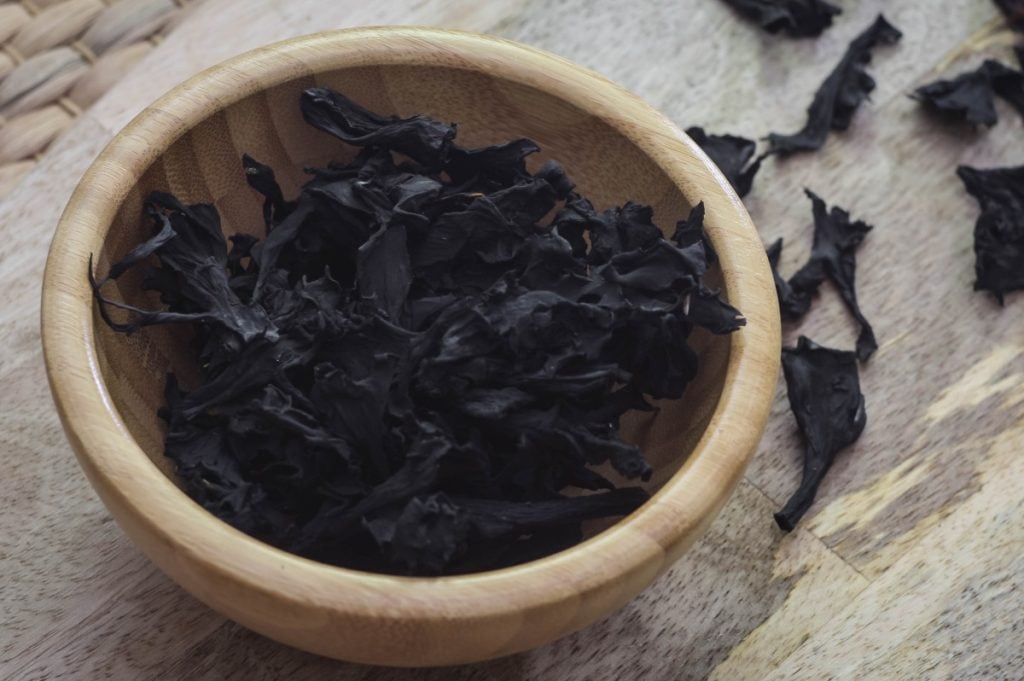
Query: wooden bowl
x,y
108,387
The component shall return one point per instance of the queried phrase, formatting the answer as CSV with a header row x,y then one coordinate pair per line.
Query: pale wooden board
x,y
907,567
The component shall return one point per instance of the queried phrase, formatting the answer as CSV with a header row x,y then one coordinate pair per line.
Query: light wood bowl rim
x,y
660,530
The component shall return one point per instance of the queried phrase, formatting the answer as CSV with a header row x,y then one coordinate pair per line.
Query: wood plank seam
x,y
808,531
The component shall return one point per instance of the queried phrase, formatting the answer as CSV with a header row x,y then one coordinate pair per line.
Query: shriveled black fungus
x,y
1014,12
999,231
971,96
833,256
733,155
824,393
419,367
1009,83
798,18
842,92
498,165
791,306
419,137
261,178
195,281
795,294
690,233
430,533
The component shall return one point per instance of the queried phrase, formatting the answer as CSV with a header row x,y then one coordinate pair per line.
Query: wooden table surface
x,y
909,566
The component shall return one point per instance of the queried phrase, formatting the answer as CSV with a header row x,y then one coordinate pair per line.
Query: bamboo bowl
x,y
107,387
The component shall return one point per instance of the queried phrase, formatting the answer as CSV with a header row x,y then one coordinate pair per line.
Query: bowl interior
x,y
204,165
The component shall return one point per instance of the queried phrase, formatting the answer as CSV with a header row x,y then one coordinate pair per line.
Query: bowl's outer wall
x,y
107,386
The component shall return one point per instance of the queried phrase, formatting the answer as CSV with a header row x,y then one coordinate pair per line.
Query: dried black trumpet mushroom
x,y
416,371
824,394
999,231
971,96
733,155
791,305
798,18
1014,12
842,92
1009,83
833,256
419,137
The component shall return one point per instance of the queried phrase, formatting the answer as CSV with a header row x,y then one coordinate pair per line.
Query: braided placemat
x,y
57,57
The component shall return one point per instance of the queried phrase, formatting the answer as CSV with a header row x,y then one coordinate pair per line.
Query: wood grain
x,y
909,565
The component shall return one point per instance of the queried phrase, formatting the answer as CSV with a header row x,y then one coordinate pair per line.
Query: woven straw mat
x,y
57,57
